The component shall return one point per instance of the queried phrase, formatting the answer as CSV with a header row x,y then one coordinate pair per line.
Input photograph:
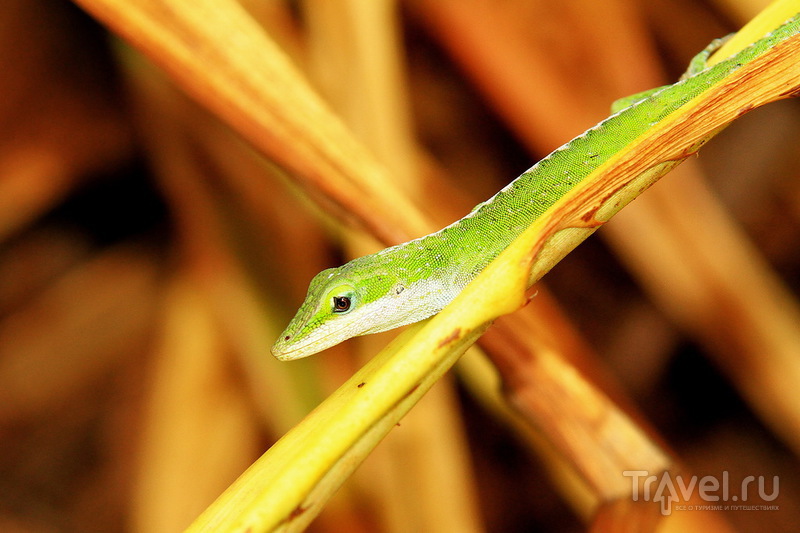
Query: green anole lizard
x,y
414,280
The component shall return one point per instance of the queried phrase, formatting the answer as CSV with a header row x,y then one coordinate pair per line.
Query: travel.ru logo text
x,y
674,492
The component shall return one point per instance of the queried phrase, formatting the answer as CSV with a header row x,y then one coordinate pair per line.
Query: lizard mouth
x,y
284,350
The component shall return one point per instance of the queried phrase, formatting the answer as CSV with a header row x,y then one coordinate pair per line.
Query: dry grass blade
x,y
222,58
195,415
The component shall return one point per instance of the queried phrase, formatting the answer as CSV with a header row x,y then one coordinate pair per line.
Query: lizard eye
x,y
341,304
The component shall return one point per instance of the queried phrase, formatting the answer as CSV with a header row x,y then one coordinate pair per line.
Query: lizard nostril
x,y
287,337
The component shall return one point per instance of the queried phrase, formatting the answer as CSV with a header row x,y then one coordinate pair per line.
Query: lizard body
x,y
409,282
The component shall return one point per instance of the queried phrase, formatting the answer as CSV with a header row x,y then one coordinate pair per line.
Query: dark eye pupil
x,y
341,304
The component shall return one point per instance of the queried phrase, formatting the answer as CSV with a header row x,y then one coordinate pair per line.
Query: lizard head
x,y
341,303
361,297
322,319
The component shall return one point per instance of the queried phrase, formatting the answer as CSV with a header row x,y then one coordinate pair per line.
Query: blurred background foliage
x,y
149,257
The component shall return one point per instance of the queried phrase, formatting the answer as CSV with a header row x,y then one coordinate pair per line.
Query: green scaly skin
x,y
414,280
